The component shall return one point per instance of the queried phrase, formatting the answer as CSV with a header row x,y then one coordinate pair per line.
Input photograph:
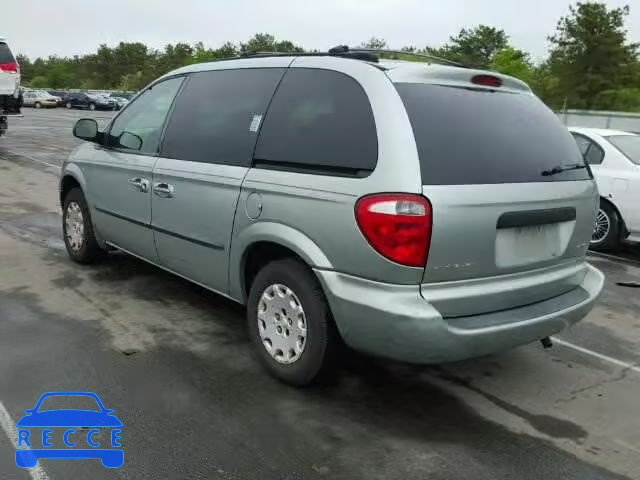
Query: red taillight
x,y
397,225
487,80
9,67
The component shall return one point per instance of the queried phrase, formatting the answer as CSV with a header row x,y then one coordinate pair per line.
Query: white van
x,y
10,101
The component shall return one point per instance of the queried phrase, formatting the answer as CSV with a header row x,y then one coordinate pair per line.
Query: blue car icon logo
x,y
81,431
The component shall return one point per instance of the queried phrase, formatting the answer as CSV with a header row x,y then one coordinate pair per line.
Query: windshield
x,y
473,136
629,145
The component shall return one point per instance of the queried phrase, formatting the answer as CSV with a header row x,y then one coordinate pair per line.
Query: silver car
x,y
39,99
414,211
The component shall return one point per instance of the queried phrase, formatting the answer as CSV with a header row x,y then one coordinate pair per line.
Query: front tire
x,y
607,230
290,323
92,106
77,229
68,105
37,105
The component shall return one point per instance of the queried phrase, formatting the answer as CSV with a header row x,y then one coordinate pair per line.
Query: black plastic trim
x,y
213,246
536,217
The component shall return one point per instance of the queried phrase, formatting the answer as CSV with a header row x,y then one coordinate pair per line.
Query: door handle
x,y
163,190
139,184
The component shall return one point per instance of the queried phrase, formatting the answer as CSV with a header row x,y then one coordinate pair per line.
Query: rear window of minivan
x,y
5,54
478,136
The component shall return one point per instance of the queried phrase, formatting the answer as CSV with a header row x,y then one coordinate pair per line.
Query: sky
x,y
70,27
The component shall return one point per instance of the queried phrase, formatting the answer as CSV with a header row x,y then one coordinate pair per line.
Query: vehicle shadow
x,y
374,419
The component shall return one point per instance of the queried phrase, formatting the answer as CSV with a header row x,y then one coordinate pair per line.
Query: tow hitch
x,y
547,342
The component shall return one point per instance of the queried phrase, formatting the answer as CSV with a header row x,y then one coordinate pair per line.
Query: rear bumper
x,y
395,321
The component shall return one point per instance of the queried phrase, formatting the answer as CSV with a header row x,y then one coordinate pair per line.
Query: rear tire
x,y
278,313
37,105
77,229
607,231
68,105
92,106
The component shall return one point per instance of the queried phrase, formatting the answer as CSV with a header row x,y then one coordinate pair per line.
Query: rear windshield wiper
x,y
563,168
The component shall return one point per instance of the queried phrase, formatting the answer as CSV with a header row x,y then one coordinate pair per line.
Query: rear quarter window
x,y
477,136
5,54
629,145
319,121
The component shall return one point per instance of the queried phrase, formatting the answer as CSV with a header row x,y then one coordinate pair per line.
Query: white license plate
x,y
537,243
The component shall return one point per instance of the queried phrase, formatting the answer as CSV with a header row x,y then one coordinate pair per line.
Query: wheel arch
x,y
261,243
71,177
623,225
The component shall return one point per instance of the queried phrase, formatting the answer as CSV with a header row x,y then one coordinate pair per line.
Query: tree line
x,y
591,63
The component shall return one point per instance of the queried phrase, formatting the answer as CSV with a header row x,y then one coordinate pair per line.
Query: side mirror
x,y
130,141
86,129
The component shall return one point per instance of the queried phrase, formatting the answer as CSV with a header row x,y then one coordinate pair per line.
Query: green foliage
x,y
475,47
514,62
591,62
624,99
132,66
591,54
374,42
39,82
265,42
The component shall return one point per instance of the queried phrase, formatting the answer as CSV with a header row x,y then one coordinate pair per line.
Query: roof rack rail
x,y
344,51
402,52
347,54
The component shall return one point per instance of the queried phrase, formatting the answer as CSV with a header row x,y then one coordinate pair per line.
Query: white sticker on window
x,y
255,123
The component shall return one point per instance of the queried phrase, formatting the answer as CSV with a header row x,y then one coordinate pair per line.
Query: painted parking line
x,y
30,158
600,356
8,425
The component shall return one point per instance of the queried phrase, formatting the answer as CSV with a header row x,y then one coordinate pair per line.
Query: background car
x,y
120,101
104,101
10,98
88,101
60,95
39,99
614,158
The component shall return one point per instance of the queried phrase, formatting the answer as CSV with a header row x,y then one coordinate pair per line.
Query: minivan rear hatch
x,y
511,195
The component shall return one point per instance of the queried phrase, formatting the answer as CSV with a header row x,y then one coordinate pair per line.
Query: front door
x,y
206,153
119,178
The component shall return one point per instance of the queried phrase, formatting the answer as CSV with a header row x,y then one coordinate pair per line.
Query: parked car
x,y
88,101
413,211
120,102
10,97
60,96
614,158
39,99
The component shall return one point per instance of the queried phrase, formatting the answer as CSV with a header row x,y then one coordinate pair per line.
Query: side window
x,y
139,127
583,143
591,151
319,120
595,154
217,115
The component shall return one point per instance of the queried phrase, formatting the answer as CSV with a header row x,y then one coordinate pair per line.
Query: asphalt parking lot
x,y
174,362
